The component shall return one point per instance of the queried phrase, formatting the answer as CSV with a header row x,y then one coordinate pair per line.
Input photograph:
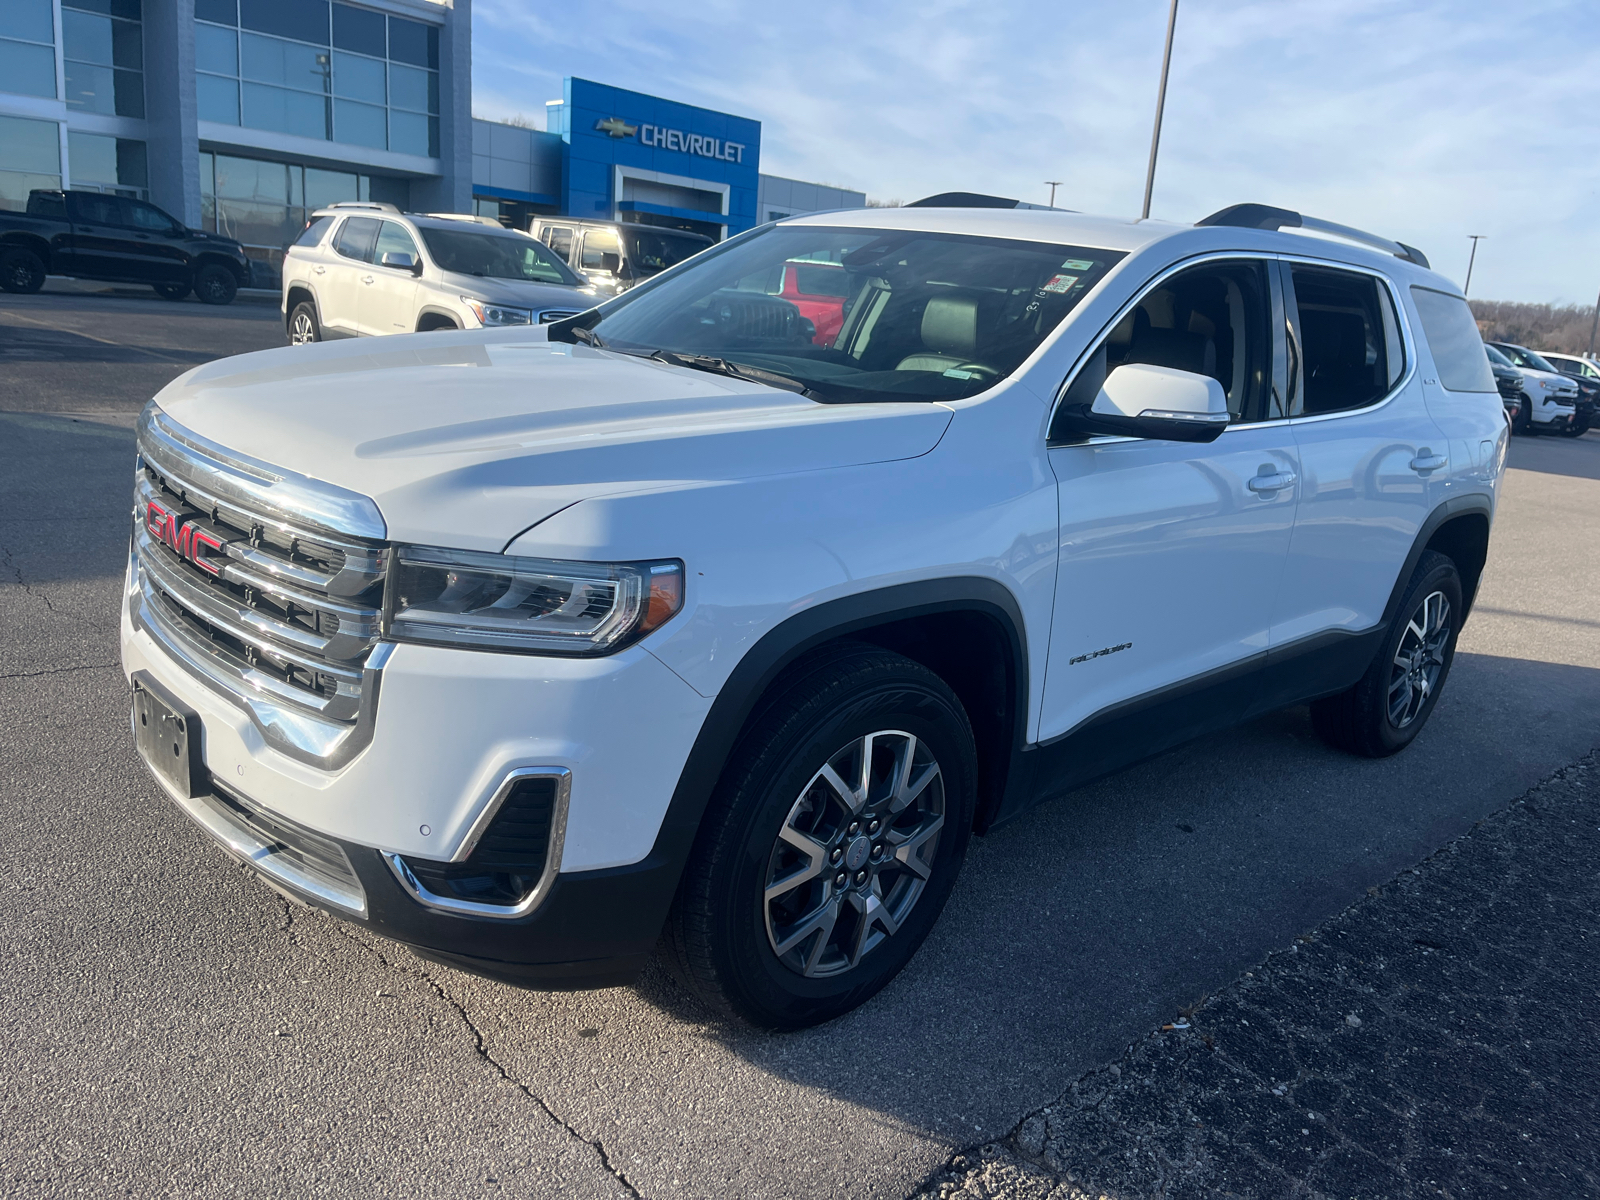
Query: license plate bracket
x,y
167,735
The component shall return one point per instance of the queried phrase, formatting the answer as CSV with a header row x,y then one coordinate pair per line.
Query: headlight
x,y
481,601
490,315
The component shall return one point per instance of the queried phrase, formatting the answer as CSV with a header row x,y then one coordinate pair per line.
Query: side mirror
x,y
1144,401
400,261
611,262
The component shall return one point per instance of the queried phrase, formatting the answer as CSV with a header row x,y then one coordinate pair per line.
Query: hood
x,y
519,292
467,439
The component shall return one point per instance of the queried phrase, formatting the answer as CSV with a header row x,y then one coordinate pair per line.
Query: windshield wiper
x,y
587,336
721,366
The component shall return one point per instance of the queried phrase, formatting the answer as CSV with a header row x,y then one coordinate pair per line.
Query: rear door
x,y
99,239
339,290
1172,553
1373,465
597,243
388,295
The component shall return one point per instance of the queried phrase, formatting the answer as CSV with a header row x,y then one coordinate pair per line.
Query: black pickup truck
x,y
92,235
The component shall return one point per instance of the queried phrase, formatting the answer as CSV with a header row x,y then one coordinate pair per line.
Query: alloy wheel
x,y
1419,659
301,330
854,853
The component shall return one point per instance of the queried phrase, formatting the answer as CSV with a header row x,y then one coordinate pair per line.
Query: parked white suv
x,y
669,623
360,270
1551,397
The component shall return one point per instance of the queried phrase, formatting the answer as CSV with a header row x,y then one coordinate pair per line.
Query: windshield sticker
x,y
953,373
1060,283
1077,264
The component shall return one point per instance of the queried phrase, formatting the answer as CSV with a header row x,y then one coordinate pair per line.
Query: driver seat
x,y
950,333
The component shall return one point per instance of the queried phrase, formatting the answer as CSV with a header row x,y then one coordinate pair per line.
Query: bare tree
x,y
871,203
1563,329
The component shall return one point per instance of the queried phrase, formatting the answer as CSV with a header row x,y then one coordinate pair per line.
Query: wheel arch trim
x,y
1474,504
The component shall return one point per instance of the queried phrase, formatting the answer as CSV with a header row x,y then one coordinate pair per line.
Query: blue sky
x,y
1423,122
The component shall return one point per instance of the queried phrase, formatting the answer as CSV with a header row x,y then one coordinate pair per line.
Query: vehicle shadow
x,y
1086,924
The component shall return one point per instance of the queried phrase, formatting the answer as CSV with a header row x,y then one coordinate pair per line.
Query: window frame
x,y
1292,323
1275,331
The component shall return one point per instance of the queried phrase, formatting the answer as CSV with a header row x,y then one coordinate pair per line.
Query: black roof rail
x,y
1265,216
977,200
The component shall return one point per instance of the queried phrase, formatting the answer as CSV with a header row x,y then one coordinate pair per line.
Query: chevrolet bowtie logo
x,y
616,127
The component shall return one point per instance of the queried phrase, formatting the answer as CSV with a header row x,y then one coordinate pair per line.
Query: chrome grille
x,y
241,571
557,314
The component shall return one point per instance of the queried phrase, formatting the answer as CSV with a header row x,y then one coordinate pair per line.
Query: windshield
x,y
496,256
1527,358
651,252
1498,359
903,316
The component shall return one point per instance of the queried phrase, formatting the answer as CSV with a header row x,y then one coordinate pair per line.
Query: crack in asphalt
x,y
7,563
61,670
480,1046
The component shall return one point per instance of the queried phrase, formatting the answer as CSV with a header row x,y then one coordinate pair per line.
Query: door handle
x,y
1426,460
1276,482
366,279
319,270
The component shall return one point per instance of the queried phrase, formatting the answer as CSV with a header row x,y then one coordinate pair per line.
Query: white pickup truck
x,y
681,626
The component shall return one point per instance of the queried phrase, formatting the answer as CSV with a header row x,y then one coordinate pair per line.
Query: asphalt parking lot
x,y
172,1027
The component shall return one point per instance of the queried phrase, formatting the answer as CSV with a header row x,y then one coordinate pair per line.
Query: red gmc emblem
x,y
188,540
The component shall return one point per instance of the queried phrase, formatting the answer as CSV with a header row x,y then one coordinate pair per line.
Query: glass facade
x,y
320,70
265,204
102,42
27,47
30,157
100,163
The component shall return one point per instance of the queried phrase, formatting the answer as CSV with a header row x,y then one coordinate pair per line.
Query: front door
x,y
388,303
156,244
339,290
99,249
1172,553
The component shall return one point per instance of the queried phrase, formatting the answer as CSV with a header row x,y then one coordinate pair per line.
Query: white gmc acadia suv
x,y
682,624
367,269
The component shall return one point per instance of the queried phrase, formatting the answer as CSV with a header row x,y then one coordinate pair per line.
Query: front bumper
x,y
450,728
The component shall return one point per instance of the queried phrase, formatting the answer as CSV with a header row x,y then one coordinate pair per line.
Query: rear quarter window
x,y
314,231
1453,339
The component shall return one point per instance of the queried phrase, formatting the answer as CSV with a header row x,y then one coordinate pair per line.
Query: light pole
x,y
1592,325
1054,184
1472,258
1161,104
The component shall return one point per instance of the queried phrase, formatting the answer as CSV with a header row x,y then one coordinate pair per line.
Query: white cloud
x,y
1421,121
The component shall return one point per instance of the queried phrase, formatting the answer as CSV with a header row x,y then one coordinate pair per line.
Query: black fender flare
x,y
432,310
311,292
1456,506
645,889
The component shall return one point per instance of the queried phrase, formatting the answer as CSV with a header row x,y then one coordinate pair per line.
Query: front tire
x,y
21,272
1383,713
303,326
1522,423
831,843
216,285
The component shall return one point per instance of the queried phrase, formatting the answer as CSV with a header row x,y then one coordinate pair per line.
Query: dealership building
x,y
241,116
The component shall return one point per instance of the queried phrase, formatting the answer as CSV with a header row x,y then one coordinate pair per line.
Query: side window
x,y
559,240
147,216
1453,340
314,232
1211,320
356,237
1350,349
395,240
597,242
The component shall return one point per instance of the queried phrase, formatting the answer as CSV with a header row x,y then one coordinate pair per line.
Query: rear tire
x,y
216,285
303,326
1383,713
762,929
21,272
1576,427
171,291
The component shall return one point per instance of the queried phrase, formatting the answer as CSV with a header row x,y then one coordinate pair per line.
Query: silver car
x,y
365,269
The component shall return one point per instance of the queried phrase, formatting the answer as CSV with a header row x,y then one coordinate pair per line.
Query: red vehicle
x,y
818,290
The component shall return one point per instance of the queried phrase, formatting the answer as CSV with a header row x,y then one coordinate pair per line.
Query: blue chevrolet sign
x,y
629,153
